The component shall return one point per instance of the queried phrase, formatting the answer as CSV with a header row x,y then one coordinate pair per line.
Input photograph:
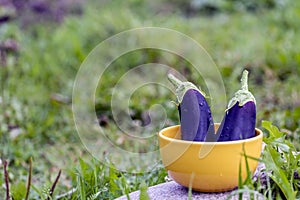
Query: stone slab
x,y
173,191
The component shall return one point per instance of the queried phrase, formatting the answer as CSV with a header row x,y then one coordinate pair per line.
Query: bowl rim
x,y
259,135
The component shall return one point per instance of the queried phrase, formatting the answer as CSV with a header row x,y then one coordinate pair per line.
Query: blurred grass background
x,y
42,44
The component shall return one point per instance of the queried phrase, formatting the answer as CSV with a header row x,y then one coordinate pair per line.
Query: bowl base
x,y
201,184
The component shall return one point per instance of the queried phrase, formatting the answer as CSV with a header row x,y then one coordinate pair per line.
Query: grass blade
x,y
29,179
190,196
6,180
143,192
54,184
272,162
240,183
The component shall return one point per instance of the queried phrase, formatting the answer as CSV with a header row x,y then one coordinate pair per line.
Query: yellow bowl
x,y
208,166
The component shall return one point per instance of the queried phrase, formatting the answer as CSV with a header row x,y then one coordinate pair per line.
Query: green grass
x,y
37,80
281,163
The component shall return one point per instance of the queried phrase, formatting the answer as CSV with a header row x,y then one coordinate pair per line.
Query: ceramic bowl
x,y
208,166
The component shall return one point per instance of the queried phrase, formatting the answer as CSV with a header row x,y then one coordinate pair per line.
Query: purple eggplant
x,y
240,116
194,112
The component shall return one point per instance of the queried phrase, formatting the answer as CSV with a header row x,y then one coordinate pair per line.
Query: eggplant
x,y
194,112
239,120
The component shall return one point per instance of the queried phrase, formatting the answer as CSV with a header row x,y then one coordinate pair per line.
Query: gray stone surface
x,y
173,191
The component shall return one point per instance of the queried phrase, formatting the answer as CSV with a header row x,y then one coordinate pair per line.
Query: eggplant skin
x,y
195,117
238,123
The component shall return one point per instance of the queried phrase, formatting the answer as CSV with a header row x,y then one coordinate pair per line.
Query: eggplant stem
x,y
182,87
175,81
243,95
244,80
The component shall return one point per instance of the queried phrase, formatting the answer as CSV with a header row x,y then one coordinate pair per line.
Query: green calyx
x,y
182,87
243,95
